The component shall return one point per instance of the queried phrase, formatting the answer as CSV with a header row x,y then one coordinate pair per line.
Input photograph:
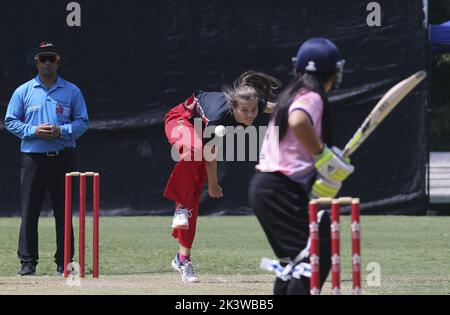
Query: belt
x,y
53,153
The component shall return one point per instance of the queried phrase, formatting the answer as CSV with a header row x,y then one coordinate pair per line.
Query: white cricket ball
x,y
220,131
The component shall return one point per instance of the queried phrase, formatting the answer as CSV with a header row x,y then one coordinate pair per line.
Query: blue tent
x,y
439,36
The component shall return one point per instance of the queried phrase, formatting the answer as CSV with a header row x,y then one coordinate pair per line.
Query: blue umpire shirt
x,y
32,104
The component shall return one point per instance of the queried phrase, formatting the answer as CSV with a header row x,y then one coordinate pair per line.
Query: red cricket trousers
x,y
189,174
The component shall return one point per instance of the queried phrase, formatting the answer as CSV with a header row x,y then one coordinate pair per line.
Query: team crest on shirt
x,y
63,110
304,101
59,109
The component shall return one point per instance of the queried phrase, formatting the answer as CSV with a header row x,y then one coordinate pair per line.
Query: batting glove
x,y
331,166
325,188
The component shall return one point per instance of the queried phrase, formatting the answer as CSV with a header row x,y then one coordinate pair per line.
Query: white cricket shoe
x,y
180,219
186,270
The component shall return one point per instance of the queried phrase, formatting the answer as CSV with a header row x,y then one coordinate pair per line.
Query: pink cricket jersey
x,y
289,156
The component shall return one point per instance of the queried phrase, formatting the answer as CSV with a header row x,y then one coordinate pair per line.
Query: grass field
x,y
135,254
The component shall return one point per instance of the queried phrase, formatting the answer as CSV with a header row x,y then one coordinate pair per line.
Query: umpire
x,y
48,114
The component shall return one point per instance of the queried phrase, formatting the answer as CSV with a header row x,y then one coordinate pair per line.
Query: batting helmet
x,y
321,56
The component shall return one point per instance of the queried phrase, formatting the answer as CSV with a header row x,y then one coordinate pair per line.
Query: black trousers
x,y
281,206
41,173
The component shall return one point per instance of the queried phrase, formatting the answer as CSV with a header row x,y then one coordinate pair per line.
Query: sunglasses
x,y
45,58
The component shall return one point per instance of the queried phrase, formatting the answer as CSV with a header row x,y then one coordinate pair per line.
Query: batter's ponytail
x,y
310,83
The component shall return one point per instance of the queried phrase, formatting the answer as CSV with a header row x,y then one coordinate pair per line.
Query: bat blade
x,y
384,106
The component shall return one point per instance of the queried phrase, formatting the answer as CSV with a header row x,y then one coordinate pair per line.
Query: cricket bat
x,y
384,106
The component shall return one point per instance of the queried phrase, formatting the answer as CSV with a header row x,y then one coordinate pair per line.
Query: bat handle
x,y
345,153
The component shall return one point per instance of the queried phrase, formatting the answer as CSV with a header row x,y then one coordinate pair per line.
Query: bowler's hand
x,y
215,191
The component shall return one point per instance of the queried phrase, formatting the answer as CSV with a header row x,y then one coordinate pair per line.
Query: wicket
x,y
335,243
68,221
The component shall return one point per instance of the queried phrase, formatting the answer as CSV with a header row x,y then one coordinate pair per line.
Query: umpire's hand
x,y
47,131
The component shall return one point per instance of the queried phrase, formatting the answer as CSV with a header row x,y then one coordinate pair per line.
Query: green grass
x,y
413,252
